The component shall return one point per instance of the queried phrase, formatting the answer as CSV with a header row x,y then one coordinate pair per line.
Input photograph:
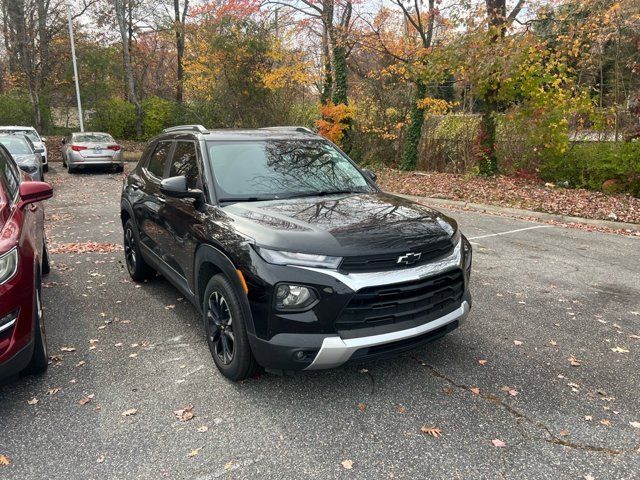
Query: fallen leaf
x,y
605,422
93,340
100,459
564,433
588,418
203,429
517,342
133,355
498,443
589,477
33,401
513,392
553,343
362,407
482,362
53,391
169,307
433,431
635,424
128,413
619,350
363,370
80,363
475,390
86,399
401,409
574,361
194,452
4,461
347,464
447,390
67,349
185,414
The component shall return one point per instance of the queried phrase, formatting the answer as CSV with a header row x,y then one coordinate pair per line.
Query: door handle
x,y
162,199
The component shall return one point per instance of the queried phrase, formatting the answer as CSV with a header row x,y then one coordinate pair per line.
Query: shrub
x,y
15,109
114,116
608,166
158,114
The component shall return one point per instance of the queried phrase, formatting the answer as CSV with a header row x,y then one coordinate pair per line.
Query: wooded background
x,y
550,88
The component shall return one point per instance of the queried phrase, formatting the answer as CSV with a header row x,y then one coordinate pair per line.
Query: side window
x,y
184,162
158,159
9,175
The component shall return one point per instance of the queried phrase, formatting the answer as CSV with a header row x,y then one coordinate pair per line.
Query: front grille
x,y
389,261
411,303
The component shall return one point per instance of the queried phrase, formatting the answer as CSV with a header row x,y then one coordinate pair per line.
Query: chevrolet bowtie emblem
x,y
409,258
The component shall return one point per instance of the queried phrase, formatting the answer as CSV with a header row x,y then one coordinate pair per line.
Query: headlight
x,y
295,297
8,265
25,167
278,257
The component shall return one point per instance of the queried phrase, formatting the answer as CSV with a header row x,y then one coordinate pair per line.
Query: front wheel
x,y
40,358
45,167
226,330
138,268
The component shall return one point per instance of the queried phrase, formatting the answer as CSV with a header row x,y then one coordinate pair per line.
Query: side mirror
x,y
370,174
64,140
33,192
177,187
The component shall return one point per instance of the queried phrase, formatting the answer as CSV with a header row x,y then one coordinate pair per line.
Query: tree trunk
x,y
414,132
131,85
179,26
327,81
340,72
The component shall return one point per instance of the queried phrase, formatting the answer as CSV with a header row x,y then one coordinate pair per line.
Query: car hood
x,y
339,225
25,159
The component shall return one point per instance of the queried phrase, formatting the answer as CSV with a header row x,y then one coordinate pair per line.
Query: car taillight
x,y
115,148
77,148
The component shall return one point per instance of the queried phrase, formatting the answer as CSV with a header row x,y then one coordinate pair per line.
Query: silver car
x,y
38,141
23,152
86,149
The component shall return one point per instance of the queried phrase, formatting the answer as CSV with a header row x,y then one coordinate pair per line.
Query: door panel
x,y
182,217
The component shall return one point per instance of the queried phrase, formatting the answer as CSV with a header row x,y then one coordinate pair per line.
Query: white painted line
x,y
510,231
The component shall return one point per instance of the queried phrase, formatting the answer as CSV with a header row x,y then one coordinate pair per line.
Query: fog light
x,y
8,321
295,297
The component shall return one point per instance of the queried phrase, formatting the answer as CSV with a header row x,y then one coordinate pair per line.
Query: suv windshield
x,y
31,134
282,168
93,137
16,145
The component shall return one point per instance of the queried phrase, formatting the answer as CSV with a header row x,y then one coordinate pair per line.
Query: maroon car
x,y
23,261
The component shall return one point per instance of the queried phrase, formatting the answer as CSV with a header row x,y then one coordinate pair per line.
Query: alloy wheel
x,y
220,328
39,313
130,249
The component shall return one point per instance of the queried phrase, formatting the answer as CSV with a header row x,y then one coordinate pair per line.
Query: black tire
x,y
45,167
71,169
46,268
40,358
64,162
138,269
120,168
225,327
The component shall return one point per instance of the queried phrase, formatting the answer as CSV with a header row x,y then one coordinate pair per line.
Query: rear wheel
x,y
71,169
139,270
40,358
46,268
45,167
226,330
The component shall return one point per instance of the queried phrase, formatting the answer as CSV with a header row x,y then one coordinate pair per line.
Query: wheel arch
x,y
126,213
210,261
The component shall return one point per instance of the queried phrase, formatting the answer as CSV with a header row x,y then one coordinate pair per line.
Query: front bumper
x,y
317,338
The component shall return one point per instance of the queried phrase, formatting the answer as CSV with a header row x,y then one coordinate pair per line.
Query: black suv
x,y
293,255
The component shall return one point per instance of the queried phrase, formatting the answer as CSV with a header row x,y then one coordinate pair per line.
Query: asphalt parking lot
x,y
541,382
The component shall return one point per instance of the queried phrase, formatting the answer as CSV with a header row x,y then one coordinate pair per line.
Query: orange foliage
x,y
335,121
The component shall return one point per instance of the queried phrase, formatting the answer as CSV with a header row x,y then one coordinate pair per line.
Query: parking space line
x,y
510,231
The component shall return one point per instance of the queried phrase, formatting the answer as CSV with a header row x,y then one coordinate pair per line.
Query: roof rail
x,y
179,128
292,128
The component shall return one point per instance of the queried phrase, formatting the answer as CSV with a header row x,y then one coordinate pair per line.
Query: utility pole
x,y
75,66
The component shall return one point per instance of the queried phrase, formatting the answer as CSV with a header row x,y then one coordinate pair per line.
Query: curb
x,y
516,212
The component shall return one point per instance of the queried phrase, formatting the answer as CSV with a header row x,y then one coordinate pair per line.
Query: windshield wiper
x,y
321,193
243,199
